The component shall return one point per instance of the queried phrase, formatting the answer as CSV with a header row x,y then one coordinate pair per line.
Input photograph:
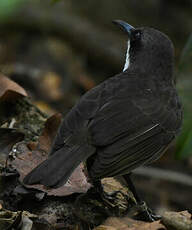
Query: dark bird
x,y
127,121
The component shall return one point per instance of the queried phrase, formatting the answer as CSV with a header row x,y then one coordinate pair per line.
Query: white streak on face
x,y
126,66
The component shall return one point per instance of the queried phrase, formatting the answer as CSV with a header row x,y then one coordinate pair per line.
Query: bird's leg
x,y
144,212
109,196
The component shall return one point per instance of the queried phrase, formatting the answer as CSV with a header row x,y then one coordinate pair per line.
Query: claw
x,y
145,214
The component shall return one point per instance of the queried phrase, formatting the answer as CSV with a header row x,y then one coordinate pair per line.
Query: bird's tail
x,y
56,170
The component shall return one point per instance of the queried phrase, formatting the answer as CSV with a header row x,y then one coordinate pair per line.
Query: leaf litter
x,y
27,160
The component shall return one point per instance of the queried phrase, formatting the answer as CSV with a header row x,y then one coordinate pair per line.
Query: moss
x,y
24,116
29,119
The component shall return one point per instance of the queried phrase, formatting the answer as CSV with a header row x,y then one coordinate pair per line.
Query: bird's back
x,y
135,124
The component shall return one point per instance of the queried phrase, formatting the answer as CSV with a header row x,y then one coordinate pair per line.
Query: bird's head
x,y
148,49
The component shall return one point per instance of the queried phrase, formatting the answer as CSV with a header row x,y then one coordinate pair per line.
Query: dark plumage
x,y
126,121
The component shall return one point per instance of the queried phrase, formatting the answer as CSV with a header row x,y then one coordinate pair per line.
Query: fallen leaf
x,y
10,90
27,160
126,223
32,145
49,132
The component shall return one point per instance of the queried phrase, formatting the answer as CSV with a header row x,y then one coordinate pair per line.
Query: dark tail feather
x,y
56,170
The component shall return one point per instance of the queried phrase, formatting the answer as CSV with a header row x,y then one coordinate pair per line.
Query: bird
x,y
127,121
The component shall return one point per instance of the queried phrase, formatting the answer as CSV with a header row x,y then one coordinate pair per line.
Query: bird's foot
x,y
144,213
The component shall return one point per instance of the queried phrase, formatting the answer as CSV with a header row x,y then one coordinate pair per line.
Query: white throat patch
x,y
126,66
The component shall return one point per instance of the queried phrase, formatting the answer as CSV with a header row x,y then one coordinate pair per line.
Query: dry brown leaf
x,y
49,132
28,160
32,145
127,223
9,90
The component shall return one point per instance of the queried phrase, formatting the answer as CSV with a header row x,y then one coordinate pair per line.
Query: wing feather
x,y
124,156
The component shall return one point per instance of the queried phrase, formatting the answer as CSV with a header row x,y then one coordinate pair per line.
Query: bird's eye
x,y
136,35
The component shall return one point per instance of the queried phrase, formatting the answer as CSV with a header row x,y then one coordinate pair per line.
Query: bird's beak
x,y
124,25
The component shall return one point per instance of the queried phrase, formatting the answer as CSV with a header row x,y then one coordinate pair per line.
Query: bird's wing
x,y
128,153
74,126
130,132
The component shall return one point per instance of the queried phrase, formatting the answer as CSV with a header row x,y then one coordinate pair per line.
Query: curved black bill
x,y
124,25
